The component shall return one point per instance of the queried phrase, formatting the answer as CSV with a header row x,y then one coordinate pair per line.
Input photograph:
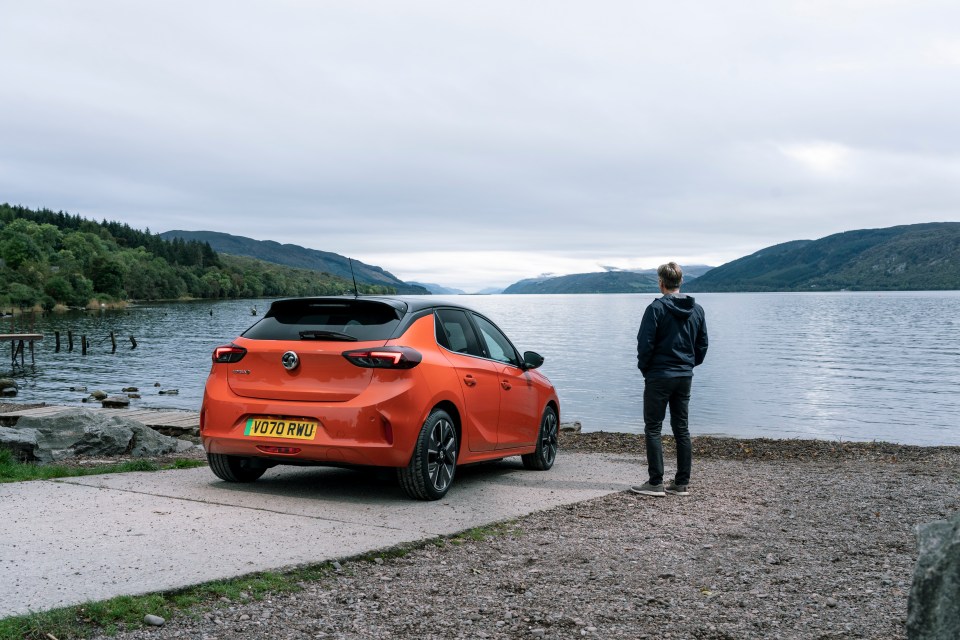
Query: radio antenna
x,y
356,292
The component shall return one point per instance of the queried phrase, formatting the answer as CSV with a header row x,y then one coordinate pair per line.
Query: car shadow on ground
x,y
364,484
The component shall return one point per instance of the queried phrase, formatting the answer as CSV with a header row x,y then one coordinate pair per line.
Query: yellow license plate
x,y
280,428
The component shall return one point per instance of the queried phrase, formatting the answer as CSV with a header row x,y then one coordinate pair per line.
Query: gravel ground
x,y
785,539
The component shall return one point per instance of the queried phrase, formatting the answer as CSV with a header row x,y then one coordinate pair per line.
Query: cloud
x,y
547,136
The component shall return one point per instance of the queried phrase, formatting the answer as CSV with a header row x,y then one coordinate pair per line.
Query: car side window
x,y
454,332
497,344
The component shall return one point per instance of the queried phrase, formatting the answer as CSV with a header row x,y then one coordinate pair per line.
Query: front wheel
x,y
234,468
434,460
545,454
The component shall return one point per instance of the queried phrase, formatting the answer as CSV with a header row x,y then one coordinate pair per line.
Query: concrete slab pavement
x,y
74,540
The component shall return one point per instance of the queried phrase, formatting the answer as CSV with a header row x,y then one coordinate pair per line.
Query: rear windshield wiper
x,y
315,334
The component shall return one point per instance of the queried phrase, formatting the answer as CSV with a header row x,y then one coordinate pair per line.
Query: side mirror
x,y
532,360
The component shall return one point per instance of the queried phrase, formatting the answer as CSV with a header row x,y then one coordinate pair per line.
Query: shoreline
x,y
726,447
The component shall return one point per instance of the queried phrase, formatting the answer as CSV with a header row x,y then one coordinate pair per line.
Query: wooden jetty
x,y
17,341
171,423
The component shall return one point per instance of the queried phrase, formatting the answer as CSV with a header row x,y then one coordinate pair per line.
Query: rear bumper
x,y
369,430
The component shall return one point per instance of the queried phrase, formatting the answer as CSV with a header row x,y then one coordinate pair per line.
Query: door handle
x,y
470,381
505,384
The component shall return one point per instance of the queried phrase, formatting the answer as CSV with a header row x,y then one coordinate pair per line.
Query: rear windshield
x,y
346,321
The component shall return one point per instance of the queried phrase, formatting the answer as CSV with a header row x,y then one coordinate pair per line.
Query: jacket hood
x,y
679,305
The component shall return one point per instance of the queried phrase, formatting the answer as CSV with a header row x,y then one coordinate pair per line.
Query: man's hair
x,y
671,274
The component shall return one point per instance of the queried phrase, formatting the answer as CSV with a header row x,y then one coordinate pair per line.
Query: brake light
x,y
384,358
229,353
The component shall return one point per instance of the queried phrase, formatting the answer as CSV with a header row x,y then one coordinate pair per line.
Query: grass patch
x,y
481,534
127,612
12,470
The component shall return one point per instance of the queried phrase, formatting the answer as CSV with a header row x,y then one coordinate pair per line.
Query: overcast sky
x,y
473,144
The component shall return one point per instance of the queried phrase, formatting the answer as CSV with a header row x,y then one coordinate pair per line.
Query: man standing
x,y
671,342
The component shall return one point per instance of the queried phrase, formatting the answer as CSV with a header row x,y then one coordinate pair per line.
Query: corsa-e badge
x,y
242,372
290,360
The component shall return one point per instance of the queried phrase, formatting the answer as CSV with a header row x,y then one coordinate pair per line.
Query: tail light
x,y
384,358
228,353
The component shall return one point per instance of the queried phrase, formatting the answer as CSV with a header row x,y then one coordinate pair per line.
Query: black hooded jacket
x,y
672,338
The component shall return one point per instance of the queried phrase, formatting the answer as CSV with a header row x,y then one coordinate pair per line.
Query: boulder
x,y
81,432
570,427
8,383
934,608
21,442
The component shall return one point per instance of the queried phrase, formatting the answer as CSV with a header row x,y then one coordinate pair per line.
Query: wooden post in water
x,y
83,345
70,340
133,342
57,335
113,341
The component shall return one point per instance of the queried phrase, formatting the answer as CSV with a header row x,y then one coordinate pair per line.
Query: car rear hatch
x,y
316,331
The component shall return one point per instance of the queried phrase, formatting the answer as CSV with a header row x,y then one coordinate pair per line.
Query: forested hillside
x,y
293,255
908,257
52,258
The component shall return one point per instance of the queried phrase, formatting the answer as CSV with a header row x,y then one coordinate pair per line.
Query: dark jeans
x,y
658,393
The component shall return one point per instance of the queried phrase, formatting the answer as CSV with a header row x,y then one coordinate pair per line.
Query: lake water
x,y
837,366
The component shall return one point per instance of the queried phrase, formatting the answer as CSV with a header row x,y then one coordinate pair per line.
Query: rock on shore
x,y
80,432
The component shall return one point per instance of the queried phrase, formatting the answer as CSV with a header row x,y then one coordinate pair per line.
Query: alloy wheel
x,y
442,454
548,435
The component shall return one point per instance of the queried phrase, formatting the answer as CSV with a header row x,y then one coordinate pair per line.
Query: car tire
x,y
545,454
234,468
433,464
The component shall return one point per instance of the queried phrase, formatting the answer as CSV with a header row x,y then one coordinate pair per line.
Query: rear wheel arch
x,y
556,408
454,413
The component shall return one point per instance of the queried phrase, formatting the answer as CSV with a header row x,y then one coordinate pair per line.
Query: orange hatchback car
x,y
410,383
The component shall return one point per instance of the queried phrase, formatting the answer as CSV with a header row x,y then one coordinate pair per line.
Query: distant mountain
x,y
909,257
609,281
437,289
600,282
296,256
489,291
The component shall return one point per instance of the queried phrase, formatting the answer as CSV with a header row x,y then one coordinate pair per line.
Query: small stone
x,y
378,560
98,394
115,402
169,392
129,390
153,621
538,633
831,602
244,617
337,567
